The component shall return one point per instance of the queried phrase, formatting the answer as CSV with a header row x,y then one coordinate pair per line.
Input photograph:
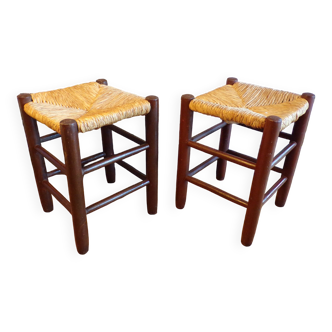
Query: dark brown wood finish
x,y
248,158
93,157
151,134
71,149
131,169
63,200
224,155
128,135
116,196
281,134
225,136
298,134
208,131
202,165
117,157
37,160
52,159
261,176
75,167
284,152
274,188
102,81
49,137
231,80
107,140
186,122
217,191
262,166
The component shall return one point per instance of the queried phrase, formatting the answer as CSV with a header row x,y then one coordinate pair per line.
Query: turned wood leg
x,y
71,149
261,176
186,122
151,134
107,139
298,134
225,136
37,160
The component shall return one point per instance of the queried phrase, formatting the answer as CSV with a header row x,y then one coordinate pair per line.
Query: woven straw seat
x,y
81,108
257,108
250,105
91,105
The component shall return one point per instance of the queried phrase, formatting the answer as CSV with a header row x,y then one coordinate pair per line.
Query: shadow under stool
x,y
79,109
254,107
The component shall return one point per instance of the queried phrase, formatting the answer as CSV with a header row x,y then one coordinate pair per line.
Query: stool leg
x,y
151,134
261,176
298,134
71,149
186,122
225,136
37,160
107,139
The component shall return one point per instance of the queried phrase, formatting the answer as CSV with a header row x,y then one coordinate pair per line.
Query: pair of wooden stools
x,y
95,105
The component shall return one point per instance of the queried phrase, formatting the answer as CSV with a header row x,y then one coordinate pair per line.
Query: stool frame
x,y
75,168
265,162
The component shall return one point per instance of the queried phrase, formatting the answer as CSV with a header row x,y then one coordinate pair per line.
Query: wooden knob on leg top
x,y
231,80
102,80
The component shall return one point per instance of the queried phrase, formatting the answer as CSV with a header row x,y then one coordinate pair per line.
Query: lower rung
x,y
118,195
63,200
274,188
217,191
115,158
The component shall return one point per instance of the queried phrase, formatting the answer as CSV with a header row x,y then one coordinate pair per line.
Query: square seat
x,y
91,105
250,105
262,109
81,108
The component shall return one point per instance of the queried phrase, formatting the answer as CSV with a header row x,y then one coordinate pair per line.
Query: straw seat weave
x,y
250,104
91,105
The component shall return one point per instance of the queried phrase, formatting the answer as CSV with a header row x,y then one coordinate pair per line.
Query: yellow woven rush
x,y
250,104
92,105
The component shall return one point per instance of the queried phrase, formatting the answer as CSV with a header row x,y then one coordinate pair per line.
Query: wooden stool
x,y
254,107
79,109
